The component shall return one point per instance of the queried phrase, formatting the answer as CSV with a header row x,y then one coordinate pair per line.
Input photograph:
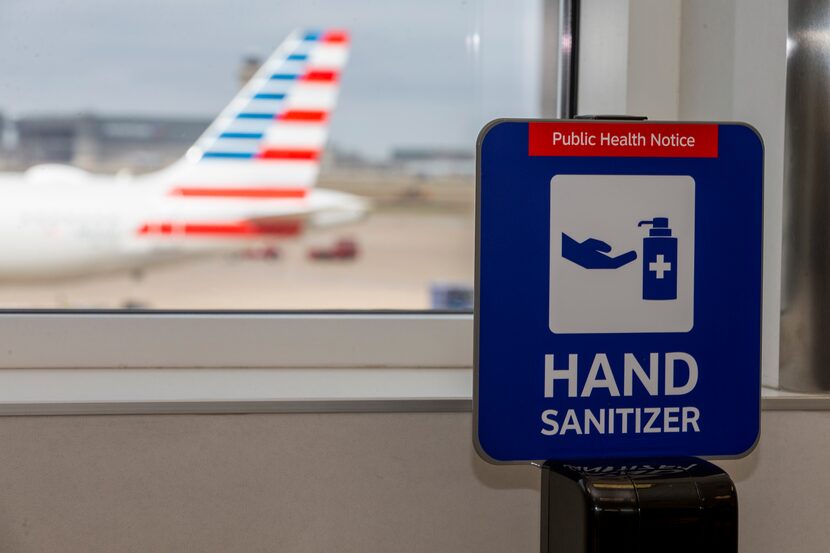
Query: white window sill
x,y
242,363
79,363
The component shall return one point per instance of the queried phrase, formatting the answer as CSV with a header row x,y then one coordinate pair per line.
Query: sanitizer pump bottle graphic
x,y
659,261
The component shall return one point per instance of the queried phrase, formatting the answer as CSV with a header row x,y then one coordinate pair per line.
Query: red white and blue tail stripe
x,y
269,140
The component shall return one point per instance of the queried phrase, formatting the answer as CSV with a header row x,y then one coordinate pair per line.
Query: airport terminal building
x,y
101,143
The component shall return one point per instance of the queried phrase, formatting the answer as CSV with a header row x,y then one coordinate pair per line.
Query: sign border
x,y
477,288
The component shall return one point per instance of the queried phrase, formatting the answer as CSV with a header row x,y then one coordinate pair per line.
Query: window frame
x,y
78,362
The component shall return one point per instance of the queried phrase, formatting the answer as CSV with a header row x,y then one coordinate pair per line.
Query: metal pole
x,y
805,301
568,63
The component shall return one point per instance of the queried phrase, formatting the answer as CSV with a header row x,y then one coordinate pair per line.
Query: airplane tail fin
x,y
268,141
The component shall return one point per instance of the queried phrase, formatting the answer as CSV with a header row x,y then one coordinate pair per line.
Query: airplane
x,y
248,180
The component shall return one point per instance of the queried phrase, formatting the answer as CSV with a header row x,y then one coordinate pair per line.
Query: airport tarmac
x,y
401,253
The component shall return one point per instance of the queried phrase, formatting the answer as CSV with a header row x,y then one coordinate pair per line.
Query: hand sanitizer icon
x,y
659,261
608,275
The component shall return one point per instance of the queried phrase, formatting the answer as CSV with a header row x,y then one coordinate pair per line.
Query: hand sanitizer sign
x,y
618,288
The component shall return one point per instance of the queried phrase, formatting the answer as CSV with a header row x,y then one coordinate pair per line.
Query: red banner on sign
x,y
609,139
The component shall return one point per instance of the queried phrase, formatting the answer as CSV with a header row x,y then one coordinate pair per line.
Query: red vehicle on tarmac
x,y
342,249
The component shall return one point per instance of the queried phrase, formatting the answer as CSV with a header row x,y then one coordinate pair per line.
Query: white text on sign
x,y
623,420
636,139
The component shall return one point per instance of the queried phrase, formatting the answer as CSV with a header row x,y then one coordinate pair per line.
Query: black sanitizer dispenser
x,y
679,505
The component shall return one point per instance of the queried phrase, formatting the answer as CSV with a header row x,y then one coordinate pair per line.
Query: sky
x,y
422,73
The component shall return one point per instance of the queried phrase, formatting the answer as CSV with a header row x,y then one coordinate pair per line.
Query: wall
x,y
292,483
603,57
653,76
404,482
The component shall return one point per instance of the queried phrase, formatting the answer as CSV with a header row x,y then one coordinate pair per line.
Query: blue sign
x,y
618,283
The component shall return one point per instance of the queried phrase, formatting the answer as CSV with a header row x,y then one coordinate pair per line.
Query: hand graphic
x,y
592,254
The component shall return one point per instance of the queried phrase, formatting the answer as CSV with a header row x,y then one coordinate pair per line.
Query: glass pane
x,y
123,187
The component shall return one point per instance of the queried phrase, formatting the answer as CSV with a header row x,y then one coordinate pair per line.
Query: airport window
x,y
275,156
131,179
